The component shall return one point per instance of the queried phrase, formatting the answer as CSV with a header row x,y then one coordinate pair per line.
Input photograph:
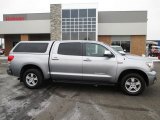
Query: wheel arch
x,y
140,72
29,66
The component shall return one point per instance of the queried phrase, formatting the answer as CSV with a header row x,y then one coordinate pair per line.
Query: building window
x,y
79,24
124,44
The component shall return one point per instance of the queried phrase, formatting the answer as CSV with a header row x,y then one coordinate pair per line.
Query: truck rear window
x,y
31,47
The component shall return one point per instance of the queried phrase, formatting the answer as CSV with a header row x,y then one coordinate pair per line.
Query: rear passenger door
x,y
66,61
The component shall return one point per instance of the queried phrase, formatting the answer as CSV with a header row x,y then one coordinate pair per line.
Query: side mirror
x,y
108,54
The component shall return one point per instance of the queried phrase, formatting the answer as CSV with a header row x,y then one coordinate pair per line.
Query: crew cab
x,y
85,62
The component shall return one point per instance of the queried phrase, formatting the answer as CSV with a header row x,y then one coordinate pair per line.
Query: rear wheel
x,y
32,78
133,84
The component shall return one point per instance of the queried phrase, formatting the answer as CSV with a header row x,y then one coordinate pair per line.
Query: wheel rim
x,y
133,85
31,79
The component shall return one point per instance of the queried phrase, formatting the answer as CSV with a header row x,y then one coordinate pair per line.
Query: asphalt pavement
x,y
75,102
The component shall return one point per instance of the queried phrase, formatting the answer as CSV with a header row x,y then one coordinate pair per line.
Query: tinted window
x,y
94,50
66,36
91,12
65,13
31,47
83,13
74,13
70,49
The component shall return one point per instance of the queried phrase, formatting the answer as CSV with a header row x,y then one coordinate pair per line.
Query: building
x,y
78,22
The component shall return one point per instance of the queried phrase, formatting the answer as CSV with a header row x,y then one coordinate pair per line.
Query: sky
x,y
41,6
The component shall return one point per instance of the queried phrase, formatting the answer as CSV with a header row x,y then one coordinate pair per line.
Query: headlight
x,y
150,64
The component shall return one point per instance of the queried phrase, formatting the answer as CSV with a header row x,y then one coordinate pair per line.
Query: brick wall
x,y
105,39
8,44
24,37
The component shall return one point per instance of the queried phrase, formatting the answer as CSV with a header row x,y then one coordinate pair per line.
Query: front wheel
x,y
133,84
32,78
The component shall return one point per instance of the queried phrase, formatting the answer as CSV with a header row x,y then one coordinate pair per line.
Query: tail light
x,y
10,58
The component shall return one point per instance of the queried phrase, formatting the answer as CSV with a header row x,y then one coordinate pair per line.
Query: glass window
x,y
82,35
93,26
74,48
63,20
63,30
68,23
89,30
72,23
85,26
65,13
31,47
74,13
68,20
80,30
65,35
93,19
74,35
125,45
94,30
89,19
81,21
91,12
94,50
116,43
80,26
68,30
63,23
83,13
89,26
91,35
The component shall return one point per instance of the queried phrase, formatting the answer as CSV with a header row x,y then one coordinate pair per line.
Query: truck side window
x,y
73,48
95,50
31,47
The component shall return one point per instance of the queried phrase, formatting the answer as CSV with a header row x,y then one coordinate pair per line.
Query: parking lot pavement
x,y
75,102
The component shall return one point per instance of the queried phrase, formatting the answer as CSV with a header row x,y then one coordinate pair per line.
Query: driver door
x,y
96,66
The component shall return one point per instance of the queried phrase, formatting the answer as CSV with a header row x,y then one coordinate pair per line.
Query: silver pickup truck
x,y
88,62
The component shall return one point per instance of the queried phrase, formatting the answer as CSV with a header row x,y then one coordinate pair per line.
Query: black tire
x,y
135,89
33,75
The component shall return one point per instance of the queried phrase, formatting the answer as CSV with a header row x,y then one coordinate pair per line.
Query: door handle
x,y
87,60
55,58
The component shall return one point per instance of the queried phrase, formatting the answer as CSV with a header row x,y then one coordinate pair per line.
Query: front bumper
x,y
152,77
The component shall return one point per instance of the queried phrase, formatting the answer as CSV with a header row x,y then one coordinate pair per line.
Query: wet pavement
x,y
75,102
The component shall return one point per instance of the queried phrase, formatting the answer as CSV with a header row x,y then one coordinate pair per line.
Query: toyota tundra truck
x,y
84,62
